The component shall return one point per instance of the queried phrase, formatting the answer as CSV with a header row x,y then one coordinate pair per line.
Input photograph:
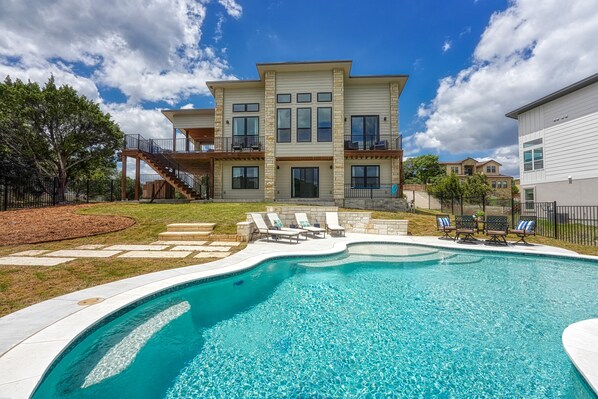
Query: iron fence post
x,y
111,190
555,218
54,191
512,212
5,195
87,191
484,204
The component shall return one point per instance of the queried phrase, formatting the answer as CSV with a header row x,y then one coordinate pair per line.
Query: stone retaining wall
x,y
380,204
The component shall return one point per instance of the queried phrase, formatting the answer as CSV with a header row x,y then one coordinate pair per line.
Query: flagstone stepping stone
x,y
30,261
200,248
32,252
83,253
137,247
91,246
155,254
178,243
225,243
212,255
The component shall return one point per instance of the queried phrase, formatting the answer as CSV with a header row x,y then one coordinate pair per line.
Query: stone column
x,y
218,116
270,136
396,162
338,134
217,193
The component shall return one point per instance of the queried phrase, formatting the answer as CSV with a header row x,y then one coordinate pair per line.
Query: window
x,y
283,98
491,169
324,124
325,97
494,183
504,184
365,130
455,170
283,123
365,176
528,197
249,107
533,159
246,177
303,124
303,97
305,182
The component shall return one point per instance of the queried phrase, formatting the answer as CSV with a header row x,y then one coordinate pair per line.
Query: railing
x,y
224,144
380,191
373,142
241,144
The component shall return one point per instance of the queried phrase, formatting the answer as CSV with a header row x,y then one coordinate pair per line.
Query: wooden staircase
x,y
187,231
169,176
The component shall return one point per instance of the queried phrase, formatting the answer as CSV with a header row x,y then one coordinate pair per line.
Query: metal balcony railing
x,y
386,190
240,144
373,142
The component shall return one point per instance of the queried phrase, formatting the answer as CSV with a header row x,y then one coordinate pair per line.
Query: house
x,y
501,184
558,143
302,131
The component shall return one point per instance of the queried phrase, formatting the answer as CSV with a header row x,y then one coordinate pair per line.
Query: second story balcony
x,y
379,142
245,143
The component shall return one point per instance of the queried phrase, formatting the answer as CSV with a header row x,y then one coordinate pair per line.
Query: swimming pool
x,y
413,322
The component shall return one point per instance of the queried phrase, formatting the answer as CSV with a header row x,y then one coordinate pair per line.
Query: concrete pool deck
x,y
31,338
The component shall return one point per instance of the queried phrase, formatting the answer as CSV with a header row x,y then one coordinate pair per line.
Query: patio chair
x,y
380,145
466,227
332,224
525,228
278,225
496,227
263,229
303,222
443,224
351,145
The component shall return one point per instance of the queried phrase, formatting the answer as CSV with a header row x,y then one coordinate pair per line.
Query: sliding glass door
x,y
305,182
365,130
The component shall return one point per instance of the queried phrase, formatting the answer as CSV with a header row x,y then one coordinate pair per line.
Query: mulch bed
x,y
30,226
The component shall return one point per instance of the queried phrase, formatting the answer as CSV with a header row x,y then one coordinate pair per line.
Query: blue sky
x,y
469,61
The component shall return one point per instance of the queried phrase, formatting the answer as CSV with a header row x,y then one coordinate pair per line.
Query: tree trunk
x,y
61,189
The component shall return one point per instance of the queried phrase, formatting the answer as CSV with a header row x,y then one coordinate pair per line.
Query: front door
x,y
305,182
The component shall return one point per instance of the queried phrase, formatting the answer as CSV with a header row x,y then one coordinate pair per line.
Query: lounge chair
x,y
526,227
443,224
263,229
332,225
497,228
277,224
303,223
466,226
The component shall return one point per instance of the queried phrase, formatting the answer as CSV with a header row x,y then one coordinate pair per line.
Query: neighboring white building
x,y
558,145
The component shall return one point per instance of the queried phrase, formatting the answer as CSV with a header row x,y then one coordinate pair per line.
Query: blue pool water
x,y
422,323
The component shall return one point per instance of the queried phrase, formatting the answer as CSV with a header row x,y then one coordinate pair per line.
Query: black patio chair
x,y
466,226
496,227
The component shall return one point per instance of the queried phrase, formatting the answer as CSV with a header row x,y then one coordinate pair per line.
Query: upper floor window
x,y
303,124
303,97
324,124
246,177
283,98
248,107
324,97
455,170
491,169
533,159
283,125
365,176
246,126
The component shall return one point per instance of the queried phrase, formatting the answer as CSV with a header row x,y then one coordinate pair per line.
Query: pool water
x,y
414,322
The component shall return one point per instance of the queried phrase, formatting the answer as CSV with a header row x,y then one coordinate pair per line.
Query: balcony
x,y
379,191
182,145
380,142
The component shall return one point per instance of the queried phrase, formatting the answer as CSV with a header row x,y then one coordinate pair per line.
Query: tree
x,y
422,169
56,131
447,187
476,187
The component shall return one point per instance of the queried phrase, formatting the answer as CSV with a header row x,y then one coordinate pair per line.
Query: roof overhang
x,y
171,113
373,79
233,84
304,66
553,96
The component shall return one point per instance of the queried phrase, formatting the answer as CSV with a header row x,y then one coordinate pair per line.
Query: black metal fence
x,y
37,193
376,191
577,224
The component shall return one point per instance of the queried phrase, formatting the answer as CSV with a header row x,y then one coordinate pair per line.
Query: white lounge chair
x,y
277,223
263,229
303,222
332,225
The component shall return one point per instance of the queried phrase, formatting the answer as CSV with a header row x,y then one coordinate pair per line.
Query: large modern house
x,y
305,131
558,145
501,184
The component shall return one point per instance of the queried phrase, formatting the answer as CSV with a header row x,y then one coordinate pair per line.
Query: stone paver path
x,y
30,261
200,248
83,253
137,247
32,252
178,243
156,254
91,246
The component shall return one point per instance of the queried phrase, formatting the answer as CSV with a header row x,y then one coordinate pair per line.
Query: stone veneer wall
x,y
356,222
270,136
396,163
217,194
338,133
218,116
381,204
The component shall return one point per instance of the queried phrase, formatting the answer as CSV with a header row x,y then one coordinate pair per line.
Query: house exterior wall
x,y
283,178
241,96
579,192
241,194
368,100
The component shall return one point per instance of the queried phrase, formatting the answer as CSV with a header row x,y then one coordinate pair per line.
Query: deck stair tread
x,y
184,235
179,227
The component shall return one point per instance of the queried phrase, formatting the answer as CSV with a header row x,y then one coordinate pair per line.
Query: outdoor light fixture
x,y
384,119
570,179
227,122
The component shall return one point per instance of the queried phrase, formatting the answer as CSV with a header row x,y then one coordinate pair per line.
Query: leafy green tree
x,y
447,187
56,131
476,187
514,189
422,169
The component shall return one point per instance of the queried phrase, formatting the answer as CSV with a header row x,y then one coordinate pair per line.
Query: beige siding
x,y
303,82
227,176
368,100
193,121
385,168
237,96
283,178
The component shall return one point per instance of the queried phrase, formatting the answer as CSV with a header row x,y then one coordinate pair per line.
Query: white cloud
x,y
148,49
508,157
446,46
150,123
527,51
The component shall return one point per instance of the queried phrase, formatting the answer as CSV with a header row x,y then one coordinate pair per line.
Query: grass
x,y
24,286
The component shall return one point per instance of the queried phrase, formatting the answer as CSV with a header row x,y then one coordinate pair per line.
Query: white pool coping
x,y
31,338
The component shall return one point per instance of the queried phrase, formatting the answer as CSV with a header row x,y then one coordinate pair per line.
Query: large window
x,y
365,130
283,124
324,124
245,131
303,124
246,177
305,182
533,158
365,176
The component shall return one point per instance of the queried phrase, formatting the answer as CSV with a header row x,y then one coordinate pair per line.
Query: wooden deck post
x,y
123,179
173,139
137,177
